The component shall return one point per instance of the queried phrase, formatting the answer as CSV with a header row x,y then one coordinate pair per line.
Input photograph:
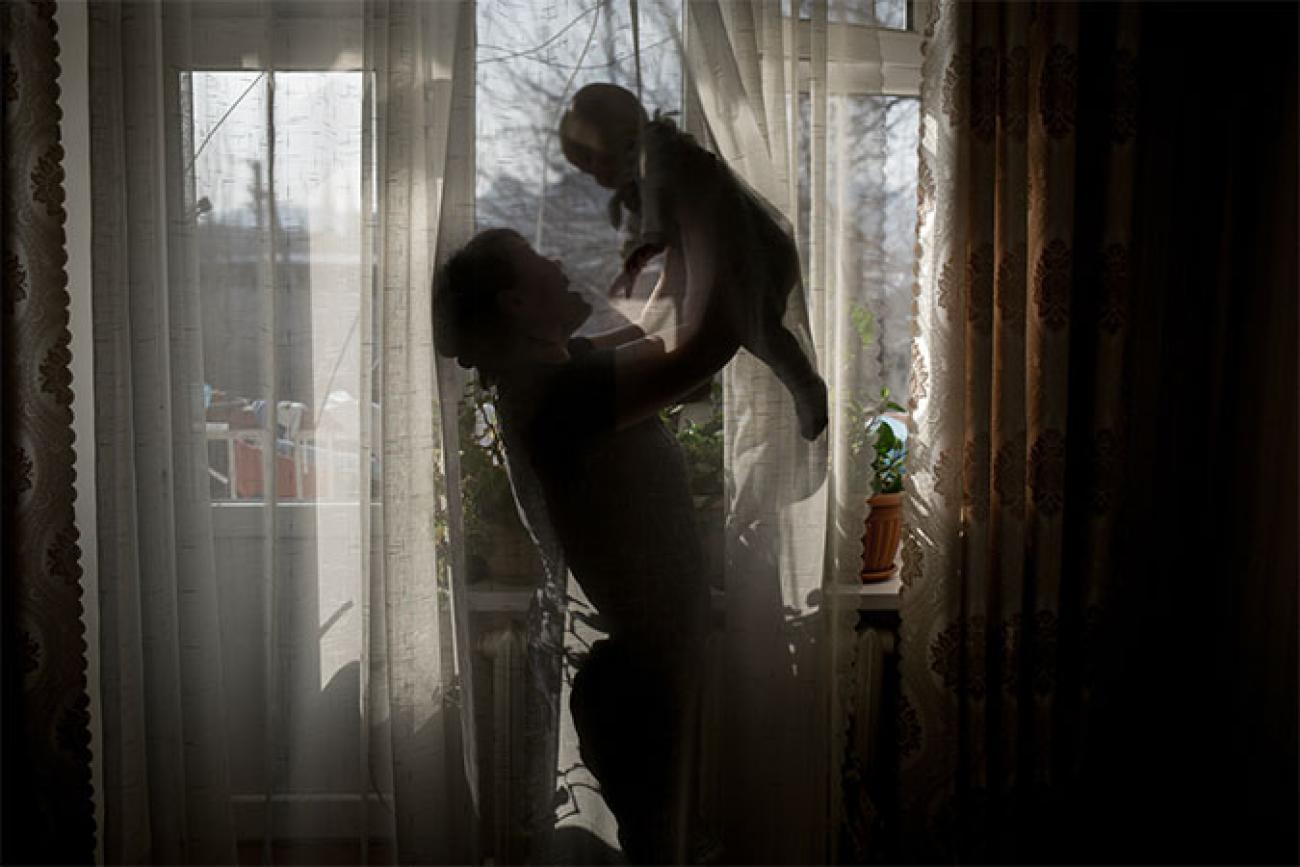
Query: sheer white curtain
x,y
282,624
532,58
838,166
743,70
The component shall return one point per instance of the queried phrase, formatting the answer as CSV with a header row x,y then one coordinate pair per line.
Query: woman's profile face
x,y
541,302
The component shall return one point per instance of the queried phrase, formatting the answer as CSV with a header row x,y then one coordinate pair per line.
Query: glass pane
x,y
532,57
871,226
314,283
277,175
873,13
527,53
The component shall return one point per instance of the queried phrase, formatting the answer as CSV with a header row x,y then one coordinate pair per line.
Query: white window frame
x,y
869,60
284,36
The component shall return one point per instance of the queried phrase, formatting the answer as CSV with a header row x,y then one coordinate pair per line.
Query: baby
x,y
671,188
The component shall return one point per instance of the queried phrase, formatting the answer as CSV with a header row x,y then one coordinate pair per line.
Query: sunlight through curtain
x,y
839,164
1024,295
775,714
282,605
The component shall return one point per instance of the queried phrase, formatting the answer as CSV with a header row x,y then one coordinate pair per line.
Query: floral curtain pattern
x,y
49,814
1028,151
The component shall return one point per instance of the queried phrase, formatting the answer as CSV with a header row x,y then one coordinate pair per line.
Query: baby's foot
x,y
811,406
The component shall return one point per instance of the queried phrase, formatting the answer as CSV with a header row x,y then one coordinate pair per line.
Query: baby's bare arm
x,y
616,337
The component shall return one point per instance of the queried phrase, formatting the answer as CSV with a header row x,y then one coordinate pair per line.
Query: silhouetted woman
x,y
615,488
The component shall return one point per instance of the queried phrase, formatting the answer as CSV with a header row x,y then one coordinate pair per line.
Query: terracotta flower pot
x,y
884,528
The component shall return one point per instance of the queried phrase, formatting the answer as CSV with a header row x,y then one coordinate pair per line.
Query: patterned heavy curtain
x,y
283,632
1099,604
48,813
1029,137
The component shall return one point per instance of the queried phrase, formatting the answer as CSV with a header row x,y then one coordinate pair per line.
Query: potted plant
x,y
701,439
497,547
883,439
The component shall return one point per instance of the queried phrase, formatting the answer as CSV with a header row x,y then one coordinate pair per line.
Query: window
x,y
876,13
528,53
298,201
873,53
280,175
531,58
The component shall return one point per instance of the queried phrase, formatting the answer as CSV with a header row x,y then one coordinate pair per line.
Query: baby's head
x,y
600,131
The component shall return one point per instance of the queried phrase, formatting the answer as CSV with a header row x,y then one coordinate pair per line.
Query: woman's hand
x,y
632,267
648,376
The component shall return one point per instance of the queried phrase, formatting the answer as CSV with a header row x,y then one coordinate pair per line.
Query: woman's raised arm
x,y
648,375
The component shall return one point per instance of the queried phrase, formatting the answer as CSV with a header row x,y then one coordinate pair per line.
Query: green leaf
x,y
885,438
863,323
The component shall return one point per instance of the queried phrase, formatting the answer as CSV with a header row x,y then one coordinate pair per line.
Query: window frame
x,y
868,60
291,35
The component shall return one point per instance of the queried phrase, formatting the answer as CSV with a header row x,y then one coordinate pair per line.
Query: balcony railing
x,y
309,464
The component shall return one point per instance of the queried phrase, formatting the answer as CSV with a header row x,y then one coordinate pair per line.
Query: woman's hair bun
x,y
465,320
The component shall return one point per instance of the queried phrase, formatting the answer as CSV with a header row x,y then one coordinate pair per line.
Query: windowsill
x,y
490,597
877,596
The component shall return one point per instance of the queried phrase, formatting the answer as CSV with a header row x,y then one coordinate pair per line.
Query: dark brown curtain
x,y
1099,613
48,812
1194,756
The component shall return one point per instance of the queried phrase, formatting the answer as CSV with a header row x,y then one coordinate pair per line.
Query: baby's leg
x,y
779,349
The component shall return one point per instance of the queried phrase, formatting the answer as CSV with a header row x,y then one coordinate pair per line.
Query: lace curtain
x,y
48,811
1097,582
1028,161
283,632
